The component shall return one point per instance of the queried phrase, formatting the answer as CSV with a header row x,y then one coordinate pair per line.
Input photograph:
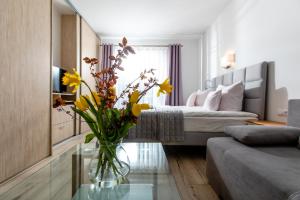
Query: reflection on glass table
x,y
66,177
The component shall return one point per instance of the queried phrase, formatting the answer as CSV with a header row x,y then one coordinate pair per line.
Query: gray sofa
x,y
261,170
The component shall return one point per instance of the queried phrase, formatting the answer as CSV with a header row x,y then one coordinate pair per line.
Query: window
x,y
145,58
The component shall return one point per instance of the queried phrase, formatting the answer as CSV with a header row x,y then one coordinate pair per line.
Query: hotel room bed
x,y
213,121
199,125
181,125
185,126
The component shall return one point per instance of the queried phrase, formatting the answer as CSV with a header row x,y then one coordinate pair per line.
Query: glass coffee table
x,y
66,177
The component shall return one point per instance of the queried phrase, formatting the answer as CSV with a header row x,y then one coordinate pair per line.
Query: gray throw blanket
x,y
163,124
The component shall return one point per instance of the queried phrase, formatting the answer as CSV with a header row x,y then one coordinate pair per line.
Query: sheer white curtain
x,y
145,58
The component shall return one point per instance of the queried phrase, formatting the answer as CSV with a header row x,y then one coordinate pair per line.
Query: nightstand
x,y
266,123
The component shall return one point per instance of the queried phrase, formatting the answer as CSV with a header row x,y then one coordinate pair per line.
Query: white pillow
x,y
232,97
201,96
213,100
191,100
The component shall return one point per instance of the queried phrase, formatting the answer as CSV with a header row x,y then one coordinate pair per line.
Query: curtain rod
x,y
144,45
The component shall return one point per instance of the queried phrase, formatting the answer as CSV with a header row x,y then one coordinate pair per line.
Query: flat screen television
x,y
57,74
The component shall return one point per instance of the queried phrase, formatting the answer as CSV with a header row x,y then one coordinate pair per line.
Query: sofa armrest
x,y
264,135
294,113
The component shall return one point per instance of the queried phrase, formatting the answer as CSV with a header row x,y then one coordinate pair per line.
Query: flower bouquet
x,y
109,124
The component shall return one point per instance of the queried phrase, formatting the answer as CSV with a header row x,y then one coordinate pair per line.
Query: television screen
x,y
57,74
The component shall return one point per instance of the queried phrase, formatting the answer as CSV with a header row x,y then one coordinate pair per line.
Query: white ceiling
x,y
149,18
63,7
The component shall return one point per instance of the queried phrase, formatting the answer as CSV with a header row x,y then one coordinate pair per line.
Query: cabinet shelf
x,y
63,94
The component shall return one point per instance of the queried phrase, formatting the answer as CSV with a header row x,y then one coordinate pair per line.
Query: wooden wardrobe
x,y
25,60
26,128
90,44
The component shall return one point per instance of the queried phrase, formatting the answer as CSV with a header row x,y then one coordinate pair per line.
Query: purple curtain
x,y
107,50
176,98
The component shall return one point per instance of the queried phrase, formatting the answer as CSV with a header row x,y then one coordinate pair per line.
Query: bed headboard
x,y
255,80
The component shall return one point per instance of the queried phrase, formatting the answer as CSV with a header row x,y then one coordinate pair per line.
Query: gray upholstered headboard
x,y
255,80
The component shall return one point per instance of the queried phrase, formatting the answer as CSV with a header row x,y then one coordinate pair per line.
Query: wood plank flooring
x,y
188,166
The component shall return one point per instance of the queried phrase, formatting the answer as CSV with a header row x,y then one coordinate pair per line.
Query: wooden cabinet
x,y
62,131
90,44
70,41
25,81
62,125
25,72
78,40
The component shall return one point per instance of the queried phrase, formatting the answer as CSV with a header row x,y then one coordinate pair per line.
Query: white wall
x,y
261,30
191,52
56,36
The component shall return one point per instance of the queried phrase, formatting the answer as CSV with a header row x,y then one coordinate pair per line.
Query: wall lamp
x,y
228,60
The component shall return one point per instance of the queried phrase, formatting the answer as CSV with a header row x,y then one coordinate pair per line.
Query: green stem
x,y
103,169
90,92
99,162
99,115
107,161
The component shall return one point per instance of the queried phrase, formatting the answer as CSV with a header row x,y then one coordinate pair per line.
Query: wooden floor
x,y
188,166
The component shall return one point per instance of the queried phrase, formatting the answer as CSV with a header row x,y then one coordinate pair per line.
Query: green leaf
x,y
124,130
109,114
113,137
116,113
92,108
89,137
87,118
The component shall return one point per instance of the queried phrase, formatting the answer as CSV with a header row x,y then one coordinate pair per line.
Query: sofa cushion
x,y
254,173
264,135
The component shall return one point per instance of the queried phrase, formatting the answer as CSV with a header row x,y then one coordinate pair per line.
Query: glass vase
x,y
109,166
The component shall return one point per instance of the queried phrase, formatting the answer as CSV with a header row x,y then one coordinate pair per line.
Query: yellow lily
x,y
134,96
137,108
81,103
96,98
165,87
72,80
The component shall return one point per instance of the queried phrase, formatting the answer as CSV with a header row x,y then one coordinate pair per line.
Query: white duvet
x,y
196,119
198,111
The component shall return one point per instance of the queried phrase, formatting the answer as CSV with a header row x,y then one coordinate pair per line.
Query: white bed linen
x,y
196,119
212,124
198,111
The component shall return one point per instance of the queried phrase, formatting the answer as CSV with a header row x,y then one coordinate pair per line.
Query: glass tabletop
x,y
66,177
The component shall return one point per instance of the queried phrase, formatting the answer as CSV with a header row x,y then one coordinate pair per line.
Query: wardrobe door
x,y
25,63
89,48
